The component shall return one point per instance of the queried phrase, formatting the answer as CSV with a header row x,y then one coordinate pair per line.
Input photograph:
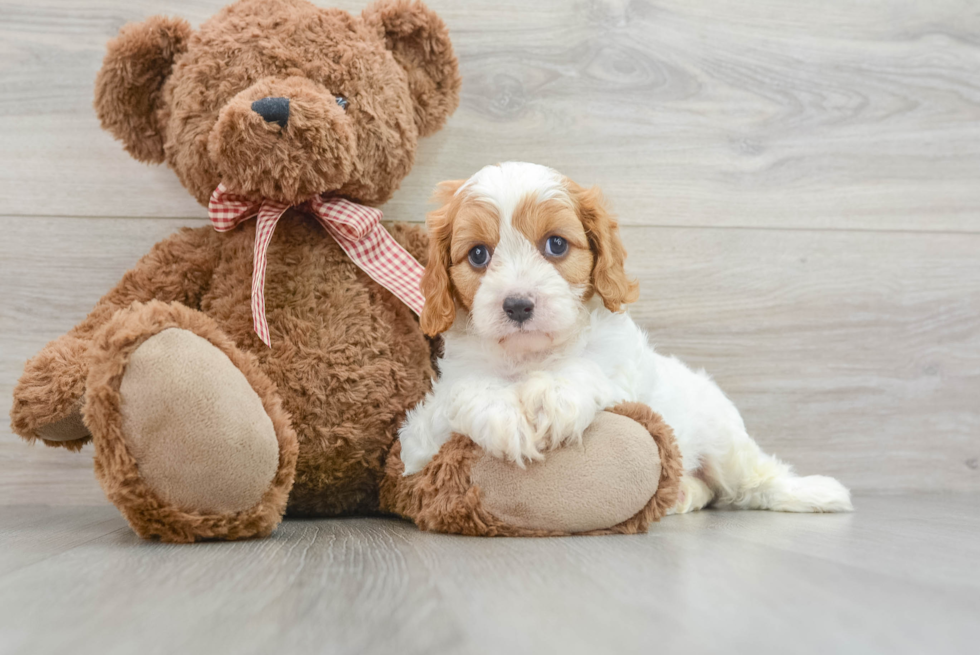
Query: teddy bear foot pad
x,y
182,434
194,425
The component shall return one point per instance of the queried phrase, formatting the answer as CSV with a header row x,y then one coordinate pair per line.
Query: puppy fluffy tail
x,y
747,478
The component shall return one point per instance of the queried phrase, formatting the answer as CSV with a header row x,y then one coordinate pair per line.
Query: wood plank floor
x,y
897,576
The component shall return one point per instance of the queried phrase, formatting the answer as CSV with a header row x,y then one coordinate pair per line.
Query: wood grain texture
x,y
52,272
898,576
757,113
854,354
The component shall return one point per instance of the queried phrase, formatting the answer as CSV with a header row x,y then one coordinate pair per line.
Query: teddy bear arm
x,y
50,394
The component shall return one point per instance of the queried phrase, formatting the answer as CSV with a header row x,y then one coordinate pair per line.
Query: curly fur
x,y
417,38
671,466
128,88
348,359
178,269
395,65
117,470
537,344
442,498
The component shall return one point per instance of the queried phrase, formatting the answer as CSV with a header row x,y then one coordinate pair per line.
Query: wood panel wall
x,y
799,181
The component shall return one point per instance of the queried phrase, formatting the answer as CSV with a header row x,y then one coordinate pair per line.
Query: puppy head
x,y
521,248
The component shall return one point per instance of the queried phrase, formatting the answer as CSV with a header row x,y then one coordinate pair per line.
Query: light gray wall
x,y
800,182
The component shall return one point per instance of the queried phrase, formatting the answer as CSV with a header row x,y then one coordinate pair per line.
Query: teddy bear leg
x,y
191,441
623,476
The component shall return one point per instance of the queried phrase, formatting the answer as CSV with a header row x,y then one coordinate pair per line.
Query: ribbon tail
x,y
386,262
268,216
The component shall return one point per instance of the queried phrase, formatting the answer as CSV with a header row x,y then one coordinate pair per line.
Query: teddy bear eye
x,y
343,102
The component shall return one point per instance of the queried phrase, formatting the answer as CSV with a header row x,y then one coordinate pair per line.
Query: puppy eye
x,y
555,246
479,256
343,102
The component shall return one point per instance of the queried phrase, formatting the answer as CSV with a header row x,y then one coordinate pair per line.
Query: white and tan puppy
x,y
525,281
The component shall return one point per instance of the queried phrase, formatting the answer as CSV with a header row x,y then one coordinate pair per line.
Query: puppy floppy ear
x,y
609,278
419,41
128,87
439,311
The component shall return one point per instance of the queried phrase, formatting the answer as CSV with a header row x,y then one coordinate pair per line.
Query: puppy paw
x,y
813,493
497,424
508,435
551,408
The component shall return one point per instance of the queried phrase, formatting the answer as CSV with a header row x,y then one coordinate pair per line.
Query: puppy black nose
x,y
519,309
273,110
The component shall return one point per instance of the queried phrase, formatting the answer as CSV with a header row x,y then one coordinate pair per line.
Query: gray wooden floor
x,y
799,183
900,575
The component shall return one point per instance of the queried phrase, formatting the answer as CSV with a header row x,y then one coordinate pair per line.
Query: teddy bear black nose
x,y
273,110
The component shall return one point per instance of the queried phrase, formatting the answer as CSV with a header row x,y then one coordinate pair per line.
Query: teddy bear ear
x,y
419,41
128,87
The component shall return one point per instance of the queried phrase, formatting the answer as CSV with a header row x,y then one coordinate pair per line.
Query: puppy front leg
x,y
424,431
491,415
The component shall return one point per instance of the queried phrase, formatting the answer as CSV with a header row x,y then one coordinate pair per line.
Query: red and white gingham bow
x,y
356,228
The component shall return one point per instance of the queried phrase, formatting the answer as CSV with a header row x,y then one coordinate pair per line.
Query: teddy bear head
x,y
281,99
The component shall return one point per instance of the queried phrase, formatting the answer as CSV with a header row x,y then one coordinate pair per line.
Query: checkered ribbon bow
x,y
356,228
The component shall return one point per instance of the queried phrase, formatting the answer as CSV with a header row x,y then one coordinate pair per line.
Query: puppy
x,y
525,282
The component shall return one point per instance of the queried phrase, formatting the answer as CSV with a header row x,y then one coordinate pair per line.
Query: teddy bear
x,y
253,369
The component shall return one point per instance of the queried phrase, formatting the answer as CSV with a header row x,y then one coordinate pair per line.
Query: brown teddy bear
x,y
235,375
